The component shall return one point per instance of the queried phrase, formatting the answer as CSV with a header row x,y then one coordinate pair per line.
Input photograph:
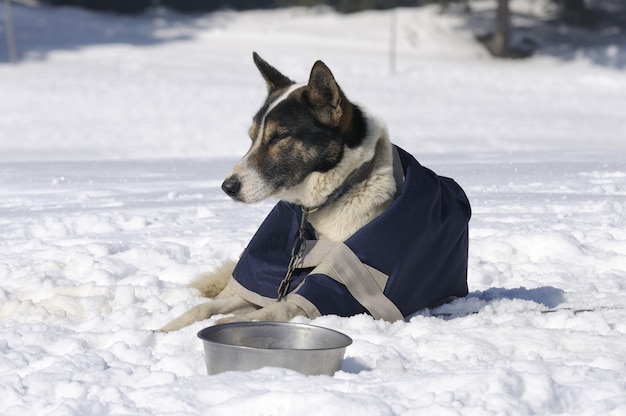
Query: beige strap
x,y
327,269
354,274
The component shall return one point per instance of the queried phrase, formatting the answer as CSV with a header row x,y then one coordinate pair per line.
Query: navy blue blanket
x,y
420,242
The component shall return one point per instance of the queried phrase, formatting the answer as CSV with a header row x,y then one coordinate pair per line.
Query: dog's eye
x,y
277,136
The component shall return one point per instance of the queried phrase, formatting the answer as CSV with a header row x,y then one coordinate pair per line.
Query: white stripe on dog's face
x,y
253,188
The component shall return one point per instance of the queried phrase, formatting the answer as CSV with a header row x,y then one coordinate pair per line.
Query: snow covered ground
x,y
115,135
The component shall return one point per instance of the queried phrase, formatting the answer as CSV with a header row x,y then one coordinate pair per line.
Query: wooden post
x,y
8,31
500,41
393,41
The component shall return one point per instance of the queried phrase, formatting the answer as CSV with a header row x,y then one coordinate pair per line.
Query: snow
x,y
115,135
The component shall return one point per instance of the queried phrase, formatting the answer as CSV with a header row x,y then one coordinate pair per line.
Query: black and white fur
x,y
308,140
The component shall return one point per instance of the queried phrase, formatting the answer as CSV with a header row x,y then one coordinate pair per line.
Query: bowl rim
x,y
346,340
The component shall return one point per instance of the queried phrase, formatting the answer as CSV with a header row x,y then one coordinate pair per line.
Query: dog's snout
x,y
232,186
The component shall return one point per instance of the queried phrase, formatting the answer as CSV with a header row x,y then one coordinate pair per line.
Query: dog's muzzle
x,y
232,186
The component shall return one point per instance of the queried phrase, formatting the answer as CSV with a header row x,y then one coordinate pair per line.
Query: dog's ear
x,y
272,76
324,95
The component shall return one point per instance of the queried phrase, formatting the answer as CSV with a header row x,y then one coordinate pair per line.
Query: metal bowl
x,y
244,346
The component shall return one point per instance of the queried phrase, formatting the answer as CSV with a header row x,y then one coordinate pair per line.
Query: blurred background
x,y
124,79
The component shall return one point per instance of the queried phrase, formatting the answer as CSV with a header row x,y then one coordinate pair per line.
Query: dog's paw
x,y
178,323
197,313
172,326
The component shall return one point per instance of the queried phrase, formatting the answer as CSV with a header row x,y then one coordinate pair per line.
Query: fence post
x,y
8,31
393,41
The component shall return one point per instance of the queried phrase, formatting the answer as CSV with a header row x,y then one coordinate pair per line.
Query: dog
x,y
335,172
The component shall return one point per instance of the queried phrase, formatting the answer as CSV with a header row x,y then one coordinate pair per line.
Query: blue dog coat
x,y
414,255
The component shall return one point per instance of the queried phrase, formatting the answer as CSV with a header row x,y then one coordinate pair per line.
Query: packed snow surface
x,y
116,133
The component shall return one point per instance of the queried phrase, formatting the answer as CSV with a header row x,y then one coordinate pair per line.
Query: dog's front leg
x,y
206,310
276,312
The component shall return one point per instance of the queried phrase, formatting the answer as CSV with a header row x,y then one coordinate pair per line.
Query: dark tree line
x,y
587,13
194,6
579,12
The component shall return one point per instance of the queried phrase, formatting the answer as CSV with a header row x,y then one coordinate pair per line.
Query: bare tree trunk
x,y
8,31
499,44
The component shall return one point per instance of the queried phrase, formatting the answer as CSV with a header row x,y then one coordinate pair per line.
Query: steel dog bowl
x,y
244,346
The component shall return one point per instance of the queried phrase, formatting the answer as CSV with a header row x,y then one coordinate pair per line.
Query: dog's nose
x,y
231,186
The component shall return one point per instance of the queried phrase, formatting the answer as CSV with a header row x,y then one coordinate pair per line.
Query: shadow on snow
x,y
546,298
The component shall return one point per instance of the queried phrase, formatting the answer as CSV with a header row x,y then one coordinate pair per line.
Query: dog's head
x,y
301,130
